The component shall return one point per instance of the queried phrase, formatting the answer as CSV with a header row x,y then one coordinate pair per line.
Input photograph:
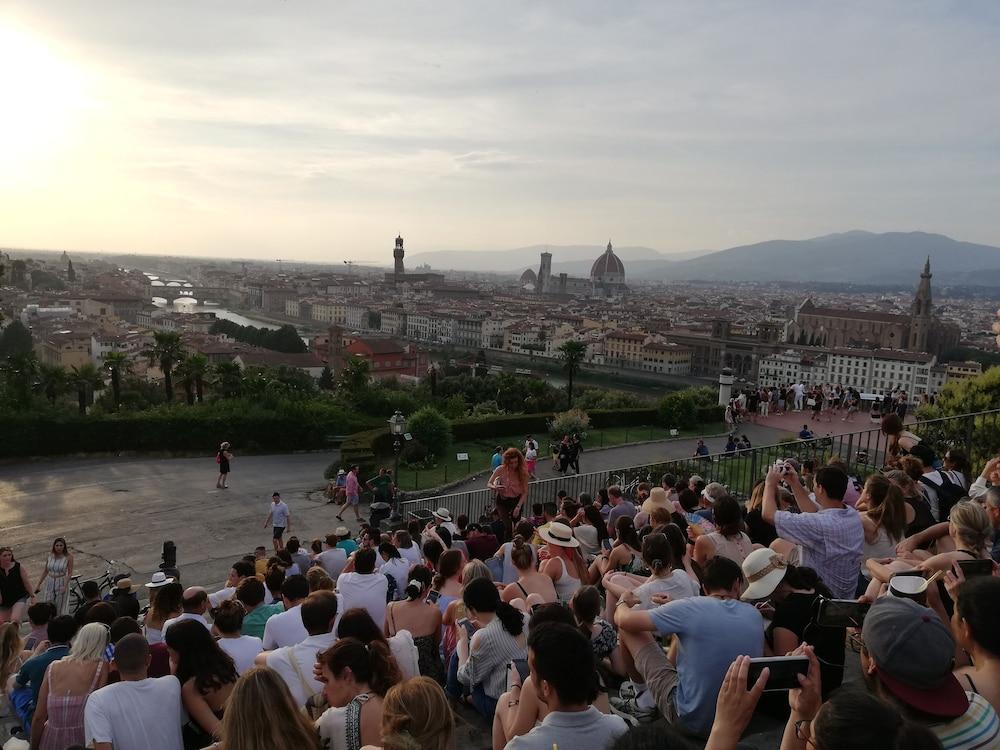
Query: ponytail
x,y
511,618
372,663
657,553
482,596
586,604
801,577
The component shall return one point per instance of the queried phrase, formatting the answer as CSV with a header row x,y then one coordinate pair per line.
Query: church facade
x,y
920,331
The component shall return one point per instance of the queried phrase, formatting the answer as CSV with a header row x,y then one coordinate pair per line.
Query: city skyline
x,y
315,133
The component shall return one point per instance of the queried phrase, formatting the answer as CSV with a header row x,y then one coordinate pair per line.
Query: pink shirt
x,y
352,488
512,486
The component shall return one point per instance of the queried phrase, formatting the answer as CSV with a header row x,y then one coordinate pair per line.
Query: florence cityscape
x,y
405,278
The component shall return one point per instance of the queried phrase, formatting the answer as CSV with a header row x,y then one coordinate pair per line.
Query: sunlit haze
x,y
318,130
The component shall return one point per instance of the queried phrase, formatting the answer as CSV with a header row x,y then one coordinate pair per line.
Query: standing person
x,y
382,486
68,683
352,494
207,675
280,518
139,712
222,458
54,583
565,454
15,588
497,458
510,482
531,457
575,449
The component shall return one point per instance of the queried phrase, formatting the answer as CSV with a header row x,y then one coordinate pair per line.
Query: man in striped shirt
x,y
907,659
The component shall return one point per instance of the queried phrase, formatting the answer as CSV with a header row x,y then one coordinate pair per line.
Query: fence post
x,y
446,473
970,425
416,480
850,452
753,470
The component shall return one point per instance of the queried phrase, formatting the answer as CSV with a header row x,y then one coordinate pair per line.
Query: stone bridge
x,y
201,294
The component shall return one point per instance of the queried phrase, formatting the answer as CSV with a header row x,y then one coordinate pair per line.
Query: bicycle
x,y
105,584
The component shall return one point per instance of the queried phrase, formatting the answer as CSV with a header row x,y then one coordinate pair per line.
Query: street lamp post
x,y
397,428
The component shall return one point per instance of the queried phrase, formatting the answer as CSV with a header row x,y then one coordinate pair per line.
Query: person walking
x,y
280,519
53,586
352,489
222,458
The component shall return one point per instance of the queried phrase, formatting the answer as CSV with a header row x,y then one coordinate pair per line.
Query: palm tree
x,y
52,381
20,371
572,353
228,379
187,380
87,378
167,350
117,363
198,369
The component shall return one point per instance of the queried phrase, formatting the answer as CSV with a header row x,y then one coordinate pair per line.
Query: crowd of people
x,y
613,621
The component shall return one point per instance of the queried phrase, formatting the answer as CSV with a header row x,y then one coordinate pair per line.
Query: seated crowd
x,y
590,623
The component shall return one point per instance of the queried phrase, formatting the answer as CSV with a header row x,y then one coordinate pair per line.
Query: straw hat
x,y
764,570
657,499
558,534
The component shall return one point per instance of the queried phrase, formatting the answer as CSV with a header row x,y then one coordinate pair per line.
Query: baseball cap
x,y
914,654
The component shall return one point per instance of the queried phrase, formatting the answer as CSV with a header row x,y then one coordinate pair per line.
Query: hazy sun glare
x,y
41,97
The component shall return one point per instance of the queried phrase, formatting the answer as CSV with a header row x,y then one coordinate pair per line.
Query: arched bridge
x,y
201,294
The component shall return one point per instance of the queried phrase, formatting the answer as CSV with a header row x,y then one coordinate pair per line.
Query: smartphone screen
x,y
842,613
783,671
606,544
466,623
433,596
972,568
521,665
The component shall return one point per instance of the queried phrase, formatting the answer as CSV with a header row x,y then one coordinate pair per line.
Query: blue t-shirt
x,y
805,434
348,545
497,460
702,450
33,670
712,633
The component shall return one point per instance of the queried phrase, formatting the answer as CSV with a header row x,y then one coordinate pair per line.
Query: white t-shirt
x,y
222,595
399,569
531,454
284,629
181,618
304,656
412,555
279,514
365,590
678,585
242,650
142,715
333,561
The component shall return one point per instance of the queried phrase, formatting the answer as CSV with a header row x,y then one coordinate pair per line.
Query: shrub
x,y
678,410
454,407
415,452
572,422
622,418
513,424
431,428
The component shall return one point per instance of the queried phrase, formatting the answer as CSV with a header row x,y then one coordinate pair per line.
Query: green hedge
x,y
177,429
515,424
600,419
710,414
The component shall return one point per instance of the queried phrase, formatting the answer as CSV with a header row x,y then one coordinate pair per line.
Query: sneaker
x,y
630,710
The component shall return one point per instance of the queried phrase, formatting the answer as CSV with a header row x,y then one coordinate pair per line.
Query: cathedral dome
x,y
528,277
608,267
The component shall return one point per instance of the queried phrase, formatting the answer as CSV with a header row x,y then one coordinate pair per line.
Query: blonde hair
x,y
10,650
972,525
886,506
261,715
89,642
319,580
416,716
475,569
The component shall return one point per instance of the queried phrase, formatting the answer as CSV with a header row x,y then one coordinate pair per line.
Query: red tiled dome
x,y
608,263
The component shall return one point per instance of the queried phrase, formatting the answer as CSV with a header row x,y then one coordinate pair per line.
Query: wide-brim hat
x,y
442,514
341,473
159,579
657,499
764,570
124,584
558,534
341,531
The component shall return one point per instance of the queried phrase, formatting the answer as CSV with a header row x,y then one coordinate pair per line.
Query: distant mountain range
x,y
850,257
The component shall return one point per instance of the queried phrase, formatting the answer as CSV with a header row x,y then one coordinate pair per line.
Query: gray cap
x,y
914,654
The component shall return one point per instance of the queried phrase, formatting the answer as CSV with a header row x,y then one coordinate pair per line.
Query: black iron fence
x,y
864,452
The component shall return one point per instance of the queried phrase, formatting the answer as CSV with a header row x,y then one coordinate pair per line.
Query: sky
x,y
318,130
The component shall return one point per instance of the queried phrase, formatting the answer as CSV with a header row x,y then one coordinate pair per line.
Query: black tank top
x,y
11,586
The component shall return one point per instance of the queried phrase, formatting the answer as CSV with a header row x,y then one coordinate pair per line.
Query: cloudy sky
x,y
317,130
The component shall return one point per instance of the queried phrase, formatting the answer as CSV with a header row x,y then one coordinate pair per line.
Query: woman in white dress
x,y
53,586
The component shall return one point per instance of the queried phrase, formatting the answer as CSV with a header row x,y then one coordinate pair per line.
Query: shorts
x,y
355,500
278,531
661,678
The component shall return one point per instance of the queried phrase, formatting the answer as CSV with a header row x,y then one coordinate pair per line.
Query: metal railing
x,y
864,452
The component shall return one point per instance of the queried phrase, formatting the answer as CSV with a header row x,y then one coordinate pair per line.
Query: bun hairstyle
x,y
371,664
657,553
521,553
419,581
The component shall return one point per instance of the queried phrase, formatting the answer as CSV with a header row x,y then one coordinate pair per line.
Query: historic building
x,y
607,278
920,331
399,274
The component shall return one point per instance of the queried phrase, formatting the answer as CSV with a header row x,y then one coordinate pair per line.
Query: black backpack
x,y
948,493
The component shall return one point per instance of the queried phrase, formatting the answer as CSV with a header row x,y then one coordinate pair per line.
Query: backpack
x,y
948,493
